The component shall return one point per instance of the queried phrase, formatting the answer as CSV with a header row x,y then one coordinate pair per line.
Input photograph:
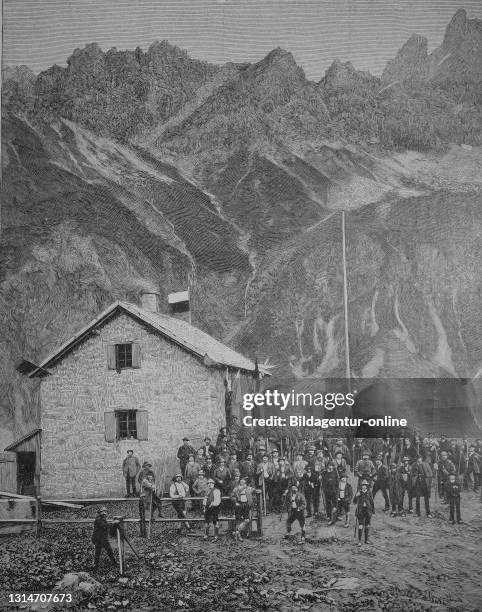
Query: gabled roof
x,y
31,434
197,342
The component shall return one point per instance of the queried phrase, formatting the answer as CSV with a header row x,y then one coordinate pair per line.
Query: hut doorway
x,y
26,473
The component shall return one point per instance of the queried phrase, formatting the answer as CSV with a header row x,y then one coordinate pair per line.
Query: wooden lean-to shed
x,y
22,470
132,378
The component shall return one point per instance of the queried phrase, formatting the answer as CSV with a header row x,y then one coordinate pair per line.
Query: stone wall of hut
x,y
180,394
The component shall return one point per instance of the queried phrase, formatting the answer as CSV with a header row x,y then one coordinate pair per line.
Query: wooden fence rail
x,y
39,520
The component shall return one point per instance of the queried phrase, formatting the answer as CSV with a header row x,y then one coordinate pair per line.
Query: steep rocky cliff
x,y
129,170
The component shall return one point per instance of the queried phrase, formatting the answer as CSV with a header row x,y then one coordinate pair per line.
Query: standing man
x,y
208,448
130,468
212,503
381,481
395,490
100,537
265,474
341,464
445,467
147,497
364,468
330,489
310,480
281,480
365,509
405,475
296,510
177,492
209,468
344,497
242,497
248,469
421,478
473,467
183,453
452,491
146,469
299,469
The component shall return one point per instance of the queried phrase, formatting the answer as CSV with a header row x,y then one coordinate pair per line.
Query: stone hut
x,y
133,378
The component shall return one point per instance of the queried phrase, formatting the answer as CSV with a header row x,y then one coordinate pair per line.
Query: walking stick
x,y
264,497
150,519
356,527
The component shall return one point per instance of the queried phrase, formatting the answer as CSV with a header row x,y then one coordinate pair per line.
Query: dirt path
x,y
411,564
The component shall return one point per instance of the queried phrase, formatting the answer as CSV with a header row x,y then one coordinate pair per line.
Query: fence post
x,y
38,512
259,521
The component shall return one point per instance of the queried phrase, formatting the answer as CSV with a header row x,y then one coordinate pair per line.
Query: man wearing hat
x,y
309,481
405,476
381,481
395,490
421,479
222,477
100,537
243,499
339,445
299,465
212,503
200,487
209,449
249,468
310,456
183,453
147,498
452,491
364,510
177,492
146,469
330,489
445,467
364,468
296,503
344,497
130,468
340,462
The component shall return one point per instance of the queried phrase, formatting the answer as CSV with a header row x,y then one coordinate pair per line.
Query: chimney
x,y
150,301
179,305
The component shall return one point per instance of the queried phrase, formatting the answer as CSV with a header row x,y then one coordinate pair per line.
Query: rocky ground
x,y
411,563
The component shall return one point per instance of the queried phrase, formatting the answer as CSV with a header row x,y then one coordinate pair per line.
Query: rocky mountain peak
x,y
411,62
341,74
279,61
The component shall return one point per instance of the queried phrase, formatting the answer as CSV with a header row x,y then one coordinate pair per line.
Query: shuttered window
x,y
126,425
123,356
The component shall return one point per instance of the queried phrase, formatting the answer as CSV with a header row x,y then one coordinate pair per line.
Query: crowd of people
x,y
304,478
310,478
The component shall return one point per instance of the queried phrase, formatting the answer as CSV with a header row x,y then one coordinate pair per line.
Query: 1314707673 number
x,y
39,597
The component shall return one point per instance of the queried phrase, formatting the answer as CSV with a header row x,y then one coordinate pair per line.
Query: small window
x,y
126,425
123,356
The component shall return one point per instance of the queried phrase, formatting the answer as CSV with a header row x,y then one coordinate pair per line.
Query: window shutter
x,y
110,424
142,418
136,355
111,357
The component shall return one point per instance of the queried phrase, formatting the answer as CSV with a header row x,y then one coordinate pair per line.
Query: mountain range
x,y
132,170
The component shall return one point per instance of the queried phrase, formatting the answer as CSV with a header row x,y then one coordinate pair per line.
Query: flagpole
x,y
345,303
